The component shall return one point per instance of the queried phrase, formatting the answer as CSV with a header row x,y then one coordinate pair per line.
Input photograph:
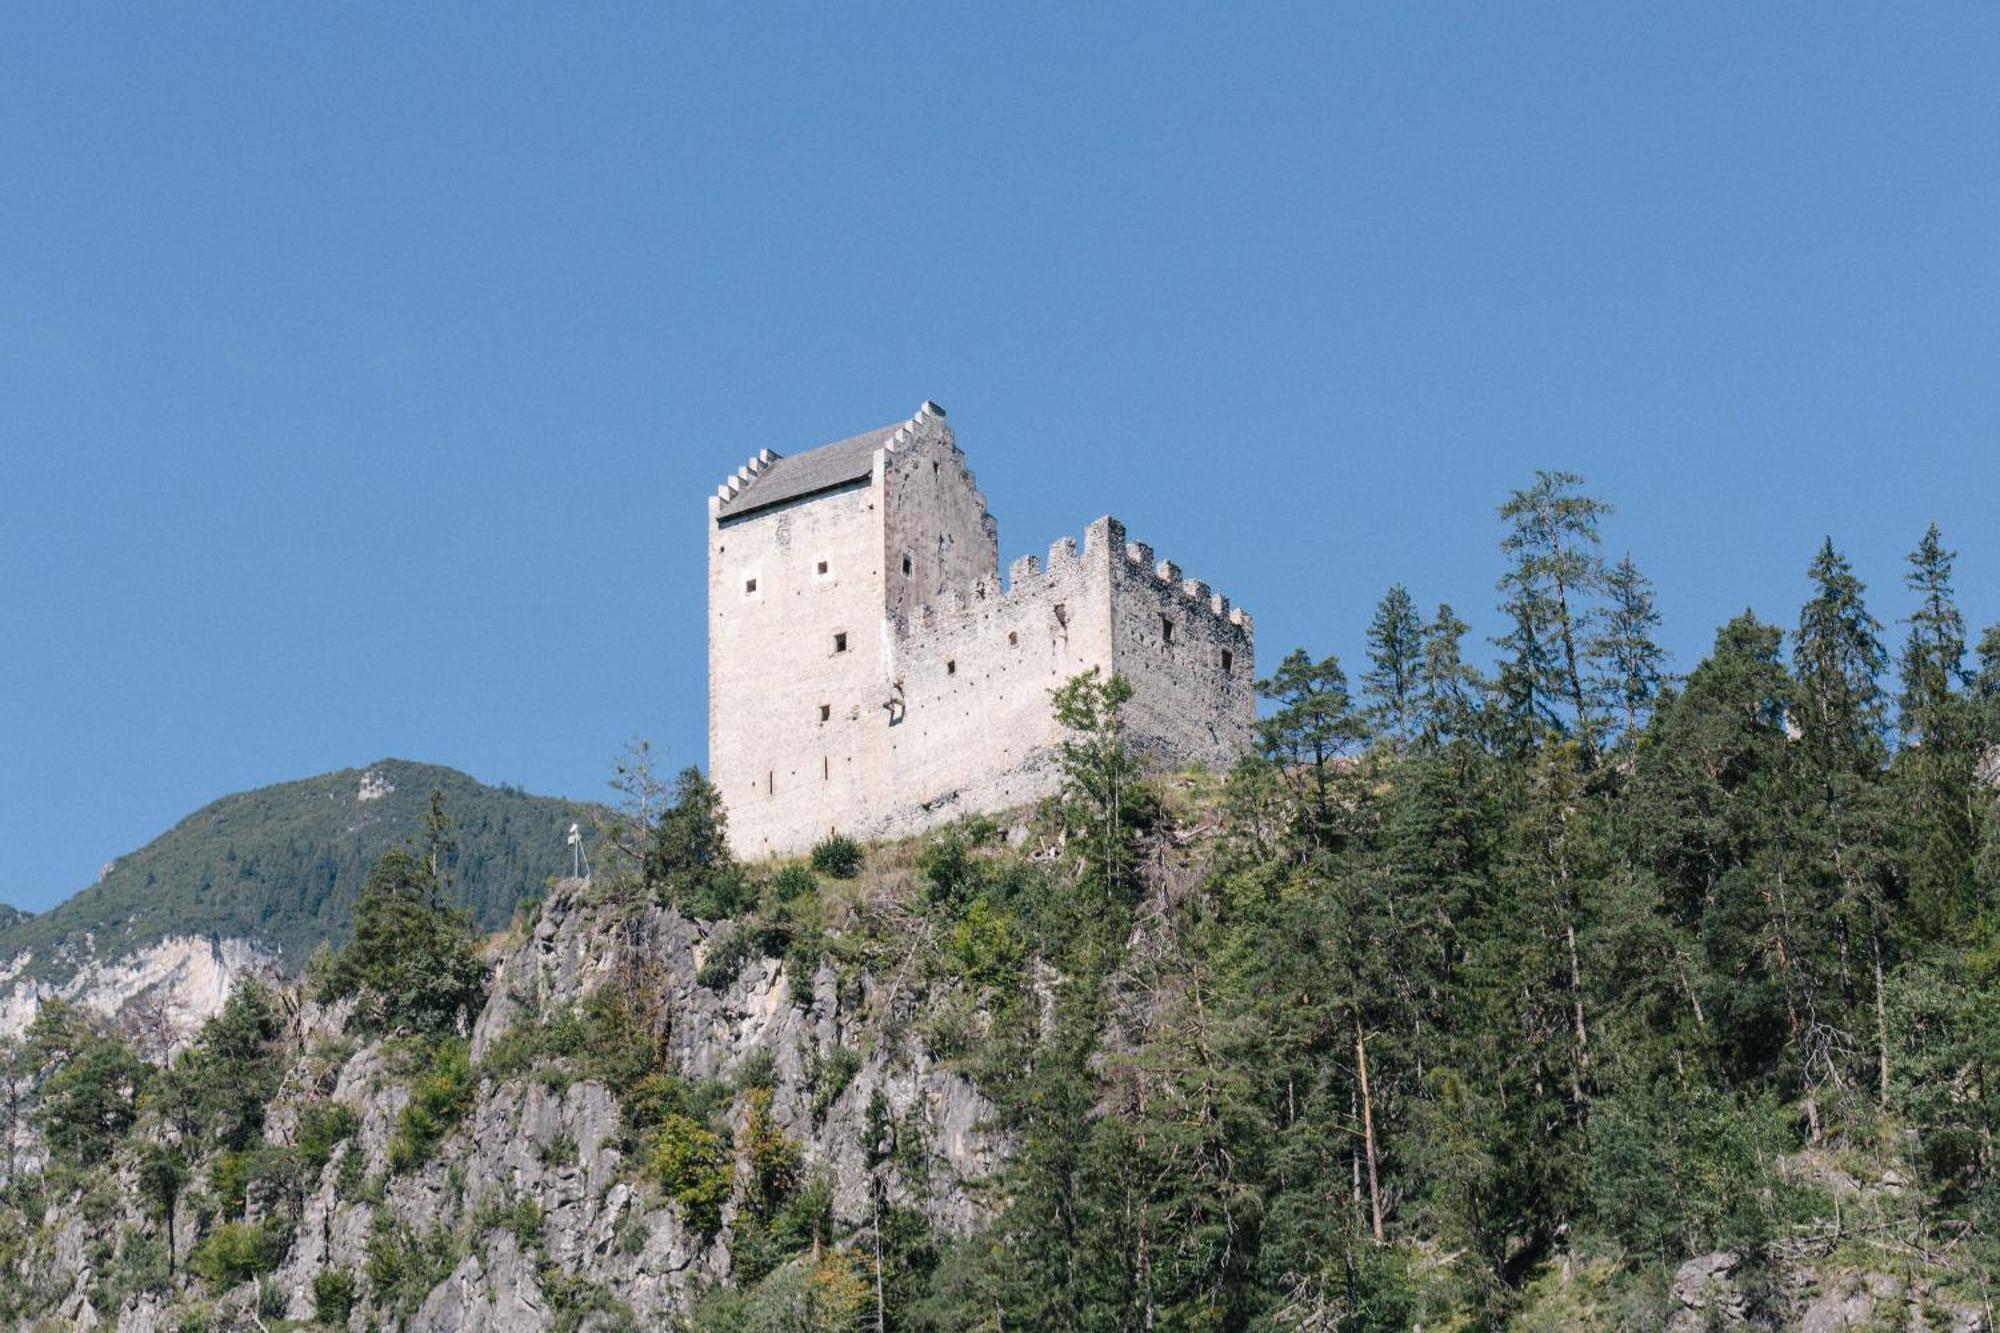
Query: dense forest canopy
x,y
1479,996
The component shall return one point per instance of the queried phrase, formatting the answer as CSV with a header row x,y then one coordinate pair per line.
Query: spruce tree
x,y
1933,662
1628,661
1448,704
1395,664
1941,755
1554,575
1837,661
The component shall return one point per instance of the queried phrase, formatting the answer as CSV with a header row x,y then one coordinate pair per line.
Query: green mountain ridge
x,y
282,865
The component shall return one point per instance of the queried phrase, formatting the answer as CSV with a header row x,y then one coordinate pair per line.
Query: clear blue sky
x,y
363,369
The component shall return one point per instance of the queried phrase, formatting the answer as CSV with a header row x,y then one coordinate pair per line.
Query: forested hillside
x,y
1560,994
282,865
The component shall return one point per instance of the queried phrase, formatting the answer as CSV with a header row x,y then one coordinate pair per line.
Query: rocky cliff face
x,y
537,1207
159,994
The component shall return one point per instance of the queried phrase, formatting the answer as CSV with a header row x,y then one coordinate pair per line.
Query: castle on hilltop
x,y
868,673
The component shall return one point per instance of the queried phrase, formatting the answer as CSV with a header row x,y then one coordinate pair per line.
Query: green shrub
x,y
235,1252
333,1297
985,945
403,1267
522,1216
693,1166
791,883
322,1126
837,855
229,1180
759,1069
829,1077
439,1099
724,960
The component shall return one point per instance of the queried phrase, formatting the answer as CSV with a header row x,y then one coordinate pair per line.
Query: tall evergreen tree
x,y
1933,662
1837,662
1313,724
1628,660
1447,688
1940,758
1838,659
1555,573
1395,664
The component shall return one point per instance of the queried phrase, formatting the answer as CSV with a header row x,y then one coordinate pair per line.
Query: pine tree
x,y
1934,655
1628,661
1395,664
1313,725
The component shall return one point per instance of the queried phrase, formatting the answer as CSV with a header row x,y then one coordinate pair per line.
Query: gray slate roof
x,y
814,470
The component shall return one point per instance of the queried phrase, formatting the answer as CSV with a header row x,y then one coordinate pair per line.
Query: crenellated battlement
x,y
927,423
1139,560
733,484
1103,548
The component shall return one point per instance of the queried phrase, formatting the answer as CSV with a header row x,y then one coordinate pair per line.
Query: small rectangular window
x,y
950,667
749,586
826,710
1062,615
840,643
1013,639
822,566
1228,661
906,564
825,768
1166,630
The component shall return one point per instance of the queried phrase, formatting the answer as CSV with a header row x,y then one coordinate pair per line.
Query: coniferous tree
x,y
1933,659
1448,688
1837,661
411,958
1313,725
1628,660
1554,575
1939,762
687,860
1395,664
1984,697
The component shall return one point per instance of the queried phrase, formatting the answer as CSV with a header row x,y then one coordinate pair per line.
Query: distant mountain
x,y
281,867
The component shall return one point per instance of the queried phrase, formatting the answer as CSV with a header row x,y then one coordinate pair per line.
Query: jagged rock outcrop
x,y
160,994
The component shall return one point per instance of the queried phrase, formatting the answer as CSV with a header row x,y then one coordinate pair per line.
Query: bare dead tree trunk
x,y
1881,1019
1368,1129
881,1305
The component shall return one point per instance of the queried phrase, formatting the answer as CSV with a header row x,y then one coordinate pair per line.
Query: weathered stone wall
x,y
938,706
1189,655
938,537
775,667
975,733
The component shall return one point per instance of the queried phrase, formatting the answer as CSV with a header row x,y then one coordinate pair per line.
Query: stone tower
x,y
869,673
